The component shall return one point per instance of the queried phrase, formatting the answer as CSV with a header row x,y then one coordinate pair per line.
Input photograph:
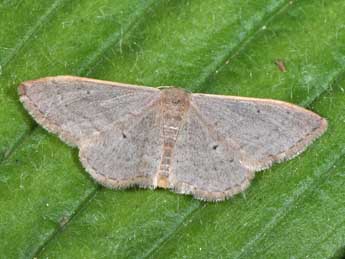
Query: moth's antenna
x,y
165,87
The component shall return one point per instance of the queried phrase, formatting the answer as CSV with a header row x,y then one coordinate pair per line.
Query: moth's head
x,y
175,97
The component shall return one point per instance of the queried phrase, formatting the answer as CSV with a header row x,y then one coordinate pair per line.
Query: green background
x,y
50,207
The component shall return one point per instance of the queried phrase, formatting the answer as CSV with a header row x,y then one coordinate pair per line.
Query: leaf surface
x,y
50,207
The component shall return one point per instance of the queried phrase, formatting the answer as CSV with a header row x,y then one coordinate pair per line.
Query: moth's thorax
x,y
175,101
174,105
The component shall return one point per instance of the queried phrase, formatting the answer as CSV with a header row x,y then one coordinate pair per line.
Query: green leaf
x,y
50,207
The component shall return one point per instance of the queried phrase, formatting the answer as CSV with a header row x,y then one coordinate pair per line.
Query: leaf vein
x,y
114,39
42,21
82,206
191,210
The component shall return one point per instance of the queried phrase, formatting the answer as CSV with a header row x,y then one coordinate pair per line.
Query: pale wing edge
x,y
200,194
262,100
89,80
180,187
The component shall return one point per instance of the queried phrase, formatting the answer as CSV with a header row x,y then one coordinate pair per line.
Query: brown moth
x,y
209,146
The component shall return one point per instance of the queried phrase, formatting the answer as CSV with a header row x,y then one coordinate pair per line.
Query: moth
x,y
206,145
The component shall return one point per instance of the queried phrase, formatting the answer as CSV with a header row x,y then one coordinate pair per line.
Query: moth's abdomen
x,y
174,104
